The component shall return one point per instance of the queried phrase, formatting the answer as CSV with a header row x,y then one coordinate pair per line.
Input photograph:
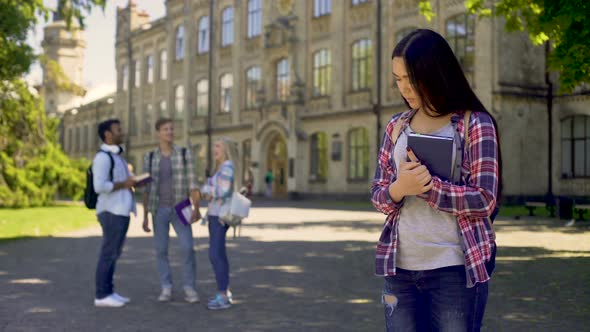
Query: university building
x,y
306,89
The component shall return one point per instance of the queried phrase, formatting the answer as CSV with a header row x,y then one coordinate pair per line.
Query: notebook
x,y
435,152
184,210
142,179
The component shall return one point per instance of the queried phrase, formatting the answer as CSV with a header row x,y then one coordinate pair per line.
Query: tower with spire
x,y
62,64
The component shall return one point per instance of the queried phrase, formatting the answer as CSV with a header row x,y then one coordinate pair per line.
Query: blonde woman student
x,y
218,191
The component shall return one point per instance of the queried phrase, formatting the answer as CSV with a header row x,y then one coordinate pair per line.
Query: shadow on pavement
x,y
47,284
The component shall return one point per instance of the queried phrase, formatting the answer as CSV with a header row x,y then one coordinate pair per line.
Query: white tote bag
x,y
235,209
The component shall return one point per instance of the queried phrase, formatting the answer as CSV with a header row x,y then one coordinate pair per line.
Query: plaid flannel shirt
x,y
472,204
183,180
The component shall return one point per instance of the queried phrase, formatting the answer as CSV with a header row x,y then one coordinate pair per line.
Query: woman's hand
x,y
413,179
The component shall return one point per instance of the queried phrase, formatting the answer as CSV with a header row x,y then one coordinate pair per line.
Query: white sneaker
x,y
191,295
109,301
166,295
121,298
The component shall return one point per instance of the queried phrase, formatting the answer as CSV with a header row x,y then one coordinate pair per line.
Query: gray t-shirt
x,y
165,188
428,238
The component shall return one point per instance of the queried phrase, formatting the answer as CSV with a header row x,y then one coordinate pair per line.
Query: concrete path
x,y
295,268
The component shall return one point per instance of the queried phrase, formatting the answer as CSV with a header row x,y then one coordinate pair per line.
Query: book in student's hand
x,y
184,210
142,179
435,152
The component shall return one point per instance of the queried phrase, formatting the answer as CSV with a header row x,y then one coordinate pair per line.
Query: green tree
x,y
564,23
33,168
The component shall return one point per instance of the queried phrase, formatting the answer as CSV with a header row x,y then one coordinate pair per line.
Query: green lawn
x,y
521,211
44,221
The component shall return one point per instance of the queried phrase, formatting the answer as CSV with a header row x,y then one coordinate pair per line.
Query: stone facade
x,y
506,71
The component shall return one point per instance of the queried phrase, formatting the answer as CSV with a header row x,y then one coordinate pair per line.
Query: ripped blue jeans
x,y
432,300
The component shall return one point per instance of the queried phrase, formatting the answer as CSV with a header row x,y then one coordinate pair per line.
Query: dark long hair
x,y
438,79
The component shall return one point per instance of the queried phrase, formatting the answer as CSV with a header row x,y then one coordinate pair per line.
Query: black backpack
x,y
90,196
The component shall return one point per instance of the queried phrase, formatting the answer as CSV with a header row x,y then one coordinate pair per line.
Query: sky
x,y
99,57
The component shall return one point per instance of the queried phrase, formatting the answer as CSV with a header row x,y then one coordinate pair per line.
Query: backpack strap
x,y
397,127
112,162
151,158
466,128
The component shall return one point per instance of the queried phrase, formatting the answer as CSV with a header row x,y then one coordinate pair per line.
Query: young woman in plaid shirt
x,y
218,191
437,245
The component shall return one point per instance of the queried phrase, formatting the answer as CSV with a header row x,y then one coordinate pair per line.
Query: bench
x,y
580,209
531,206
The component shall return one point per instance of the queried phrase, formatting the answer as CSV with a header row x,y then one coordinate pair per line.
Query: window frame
x,y
362,61
282,79
322,8
569,144
465,57
179,43
318,171
254,18
203,41
253,82
202,98
227,26
322,73
356,150
225,93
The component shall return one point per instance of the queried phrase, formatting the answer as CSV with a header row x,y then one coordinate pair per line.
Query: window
x,y
283,80
203,36
132,122
147,120
246,161
252,85
180,42
254,18
202,98
137,78
227,26
225,93
362,65
322,7
321,73
179,100
358,2
163,65
163,109
402,33
575,146
318,167
358,154
460,31
124,77
149,61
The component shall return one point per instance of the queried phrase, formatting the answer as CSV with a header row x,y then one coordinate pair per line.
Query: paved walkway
x,y
295,268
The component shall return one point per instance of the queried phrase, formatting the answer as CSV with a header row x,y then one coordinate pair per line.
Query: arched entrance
x,y
277,162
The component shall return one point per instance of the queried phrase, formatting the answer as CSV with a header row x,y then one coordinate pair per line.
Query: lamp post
x,y
210,92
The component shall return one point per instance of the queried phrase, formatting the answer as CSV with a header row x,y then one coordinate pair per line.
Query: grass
x,y
43,221
522,211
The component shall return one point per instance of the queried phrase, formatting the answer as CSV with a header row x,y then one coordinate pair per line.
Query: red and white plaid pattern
x,y
472,204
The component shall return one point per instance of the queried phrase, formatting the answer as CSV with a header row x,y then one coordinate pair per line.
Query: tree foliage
x,y
565,23
33,167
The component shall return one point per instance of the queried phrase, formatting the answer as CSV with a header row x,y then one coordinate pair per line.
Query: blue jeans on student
x,y
217,252
433,300
162,220
114,230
